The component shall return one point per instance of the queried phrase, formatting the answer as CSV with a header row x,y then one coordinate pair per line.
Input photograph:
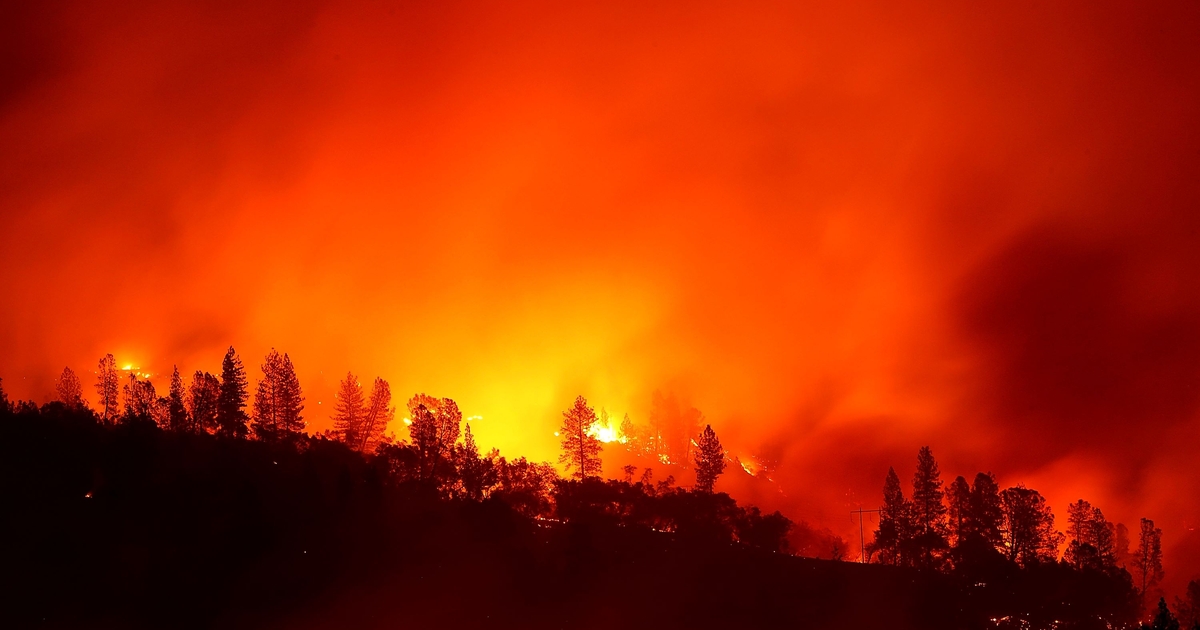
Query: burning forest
x,y
529,314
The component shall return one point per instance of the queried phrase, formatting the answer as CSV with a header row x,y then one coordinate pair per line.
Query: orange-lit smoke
x,y
841,232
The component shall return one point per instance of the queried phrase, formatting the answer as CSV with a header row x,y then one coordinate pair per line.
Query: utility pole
x,y
862,545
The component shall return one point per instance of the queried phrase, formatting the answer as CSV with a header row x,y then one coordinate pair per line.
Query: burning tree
x,y
203,397
710,460
581,449
671,427
437,429
434,426
379,412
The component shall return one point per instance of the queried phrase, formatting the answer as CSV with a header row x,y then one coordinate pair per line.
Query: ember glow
x,y
841,232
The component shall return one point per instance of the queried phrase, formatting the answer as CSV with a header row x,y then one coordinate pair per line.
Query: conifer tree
x,y
69,389
892,538
472,468
1148,557
349,410
929,513
107,386
958,500
449,425
710,460
379,413
278,401
1163,619
985,516
423,430
928,510
581,449
177,418
231,403
203,398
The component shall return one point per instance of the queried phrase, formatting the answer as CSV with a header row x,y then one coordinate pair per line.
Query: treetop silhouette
x,y
580,449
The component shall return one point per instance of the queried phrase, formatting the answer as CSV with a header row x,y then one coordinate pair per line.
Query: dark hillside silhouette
x,y
171,513
131,525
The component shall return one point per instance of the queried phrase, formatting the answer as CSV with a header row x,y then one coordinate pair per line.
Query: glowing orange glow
x,y
606,433
746,467
840,230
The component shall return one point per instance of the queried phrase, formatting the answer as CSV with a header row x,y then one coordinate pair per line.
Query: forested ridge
x,y
187,511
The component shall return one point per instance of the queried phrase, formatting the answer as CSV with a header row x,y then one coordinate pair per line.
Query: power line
x,y
862,544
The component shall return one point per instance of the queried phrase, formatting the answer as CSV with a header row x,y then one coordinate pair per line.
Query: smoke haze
x,y
842,232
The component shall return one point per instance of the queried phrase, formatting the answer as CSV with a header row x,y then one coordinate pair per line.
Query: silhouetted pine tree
x,y
709,458
349,410
231,403
581,449
985,517
5,406
423,431
177,416
928,510
958,500
107,386
892,538
379,413
1163,619
69,390
474,472
203,398
449,422
1148,557
278,400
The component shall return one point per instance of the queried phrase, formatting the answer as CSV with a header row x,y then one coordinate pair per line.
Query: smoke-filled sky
x,y
842,232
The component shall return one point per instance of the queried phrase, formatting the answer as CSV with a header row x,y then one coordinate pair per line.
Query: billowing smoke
x,y
840,233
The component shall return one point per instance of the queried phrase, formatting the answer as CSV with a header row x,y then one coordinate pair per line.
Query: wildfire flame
x,y
746,467
607,433
136,371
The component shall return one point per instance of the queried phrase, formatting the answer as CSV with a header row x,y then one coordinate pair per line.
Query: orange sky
x,y
842,232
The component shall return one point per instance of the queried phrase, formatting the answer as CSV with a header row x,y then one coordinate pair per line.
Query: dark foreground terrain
x,y
131,526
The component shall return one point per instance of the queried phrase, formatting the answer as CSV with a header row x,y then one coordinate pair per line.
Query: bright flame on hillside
x,y
606,433
746,466
136,371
